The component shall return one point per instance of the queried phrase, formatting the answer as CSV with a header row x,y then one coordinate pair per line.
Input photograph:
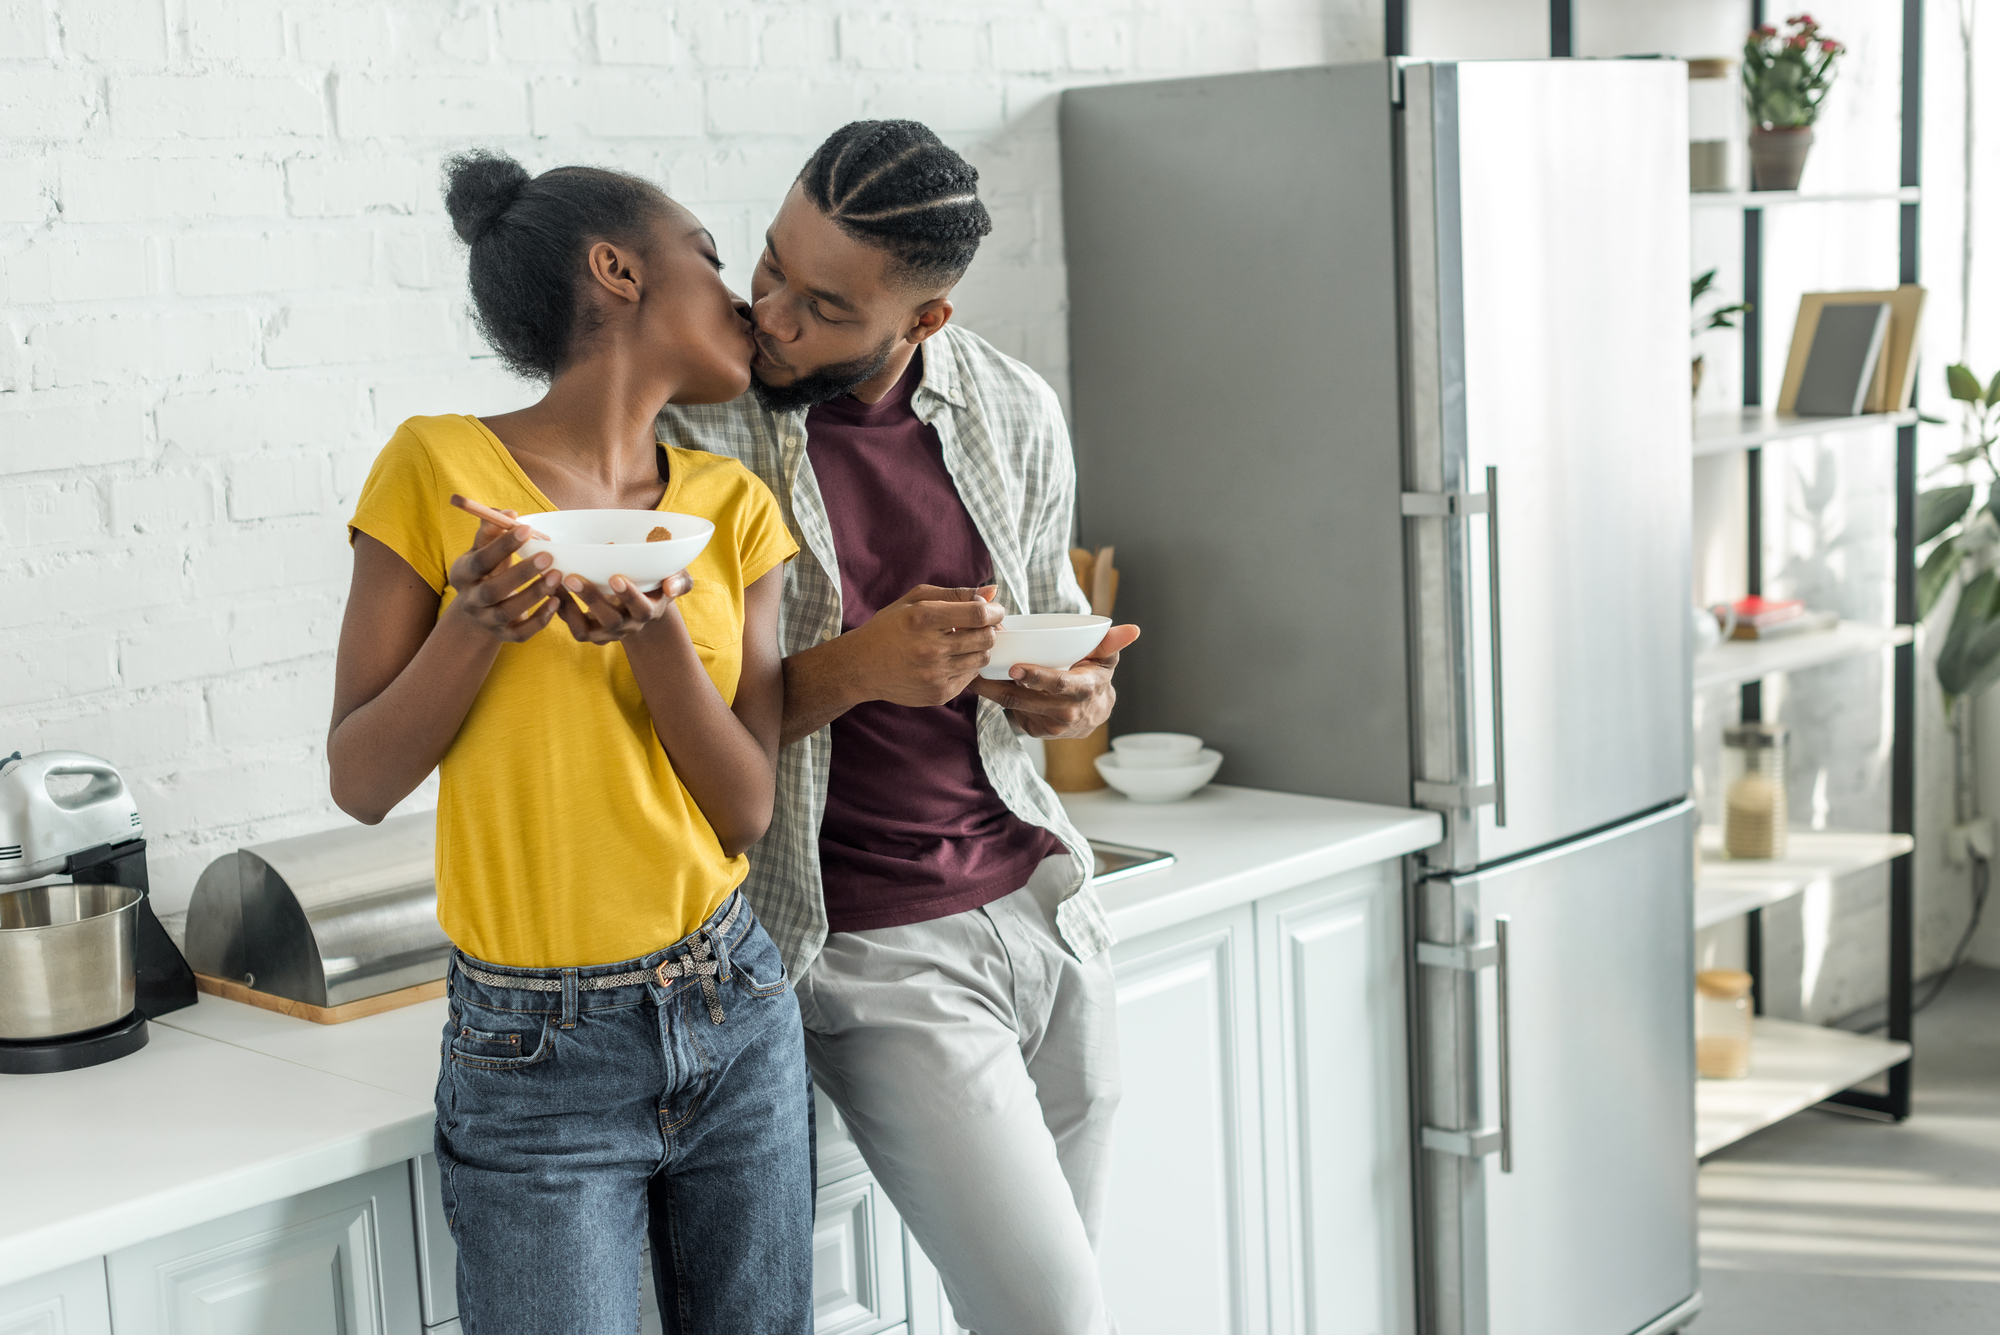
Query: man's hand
x,y
1056,702
920,650
923,648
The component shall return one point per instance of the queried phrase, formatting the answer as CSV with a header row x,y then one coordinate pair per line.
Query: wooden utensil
x,y
492,516
1102,589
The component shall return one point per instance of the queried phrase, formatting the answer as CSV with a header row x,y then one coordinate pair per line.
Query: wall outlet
x,y
1972,839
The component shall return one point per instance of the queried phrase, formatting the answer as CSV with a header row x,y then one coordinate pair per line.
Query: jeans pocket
x,y
503,1049
756,958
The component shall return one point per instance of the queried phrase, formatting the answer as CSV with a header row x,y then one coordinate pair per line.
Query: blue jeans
x,y
581,1110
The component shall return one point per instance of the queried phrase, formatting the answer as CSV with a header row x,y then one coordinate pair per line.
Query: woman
x,y
623,1053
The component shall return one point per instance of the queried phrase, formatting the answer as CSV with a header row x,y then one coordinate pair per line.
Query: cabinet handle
x,y
1493,626
1500,925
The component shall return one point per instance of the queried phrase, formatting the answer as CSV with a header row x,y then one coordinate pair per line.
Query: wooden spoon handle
x,y
492,516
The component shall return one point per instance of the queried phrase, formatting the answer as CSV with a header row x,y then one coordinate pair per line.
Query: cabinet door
x,y
70,1301
1182,1251
341,1260
857,1260
437,1254
930,1306
1336,1125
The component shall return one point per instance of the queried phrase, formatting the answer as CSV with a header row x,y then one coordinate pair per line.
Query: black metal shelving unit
x,y
1895,1103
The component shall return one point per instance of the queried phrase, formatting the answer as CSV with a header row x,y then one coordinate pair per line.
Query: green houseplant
x,y
1962,528
1715,319
1786,76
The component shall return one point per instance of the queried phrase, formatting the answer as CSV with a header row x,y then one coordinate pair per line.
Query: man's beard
x,y
829,382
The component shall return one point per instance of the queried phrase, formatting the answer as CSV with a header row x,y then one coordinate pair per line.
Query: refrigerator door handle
x,y
1493,623
1500,925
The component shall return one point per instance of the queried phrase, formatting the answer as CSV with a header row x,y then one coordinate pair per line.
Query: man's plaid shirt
x,y
1008,451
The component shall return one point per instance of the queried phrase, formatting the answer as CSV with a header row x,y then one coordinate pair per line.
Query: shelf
x,y
1792,1067
1764,199
1734,662
1747,428
1727,888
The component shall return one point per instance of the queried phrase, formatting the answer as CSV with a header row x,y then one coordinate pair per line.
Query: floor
x,y
1832,1224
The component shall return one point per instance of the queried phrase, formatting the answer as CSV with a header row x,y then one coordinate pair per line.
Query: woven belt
x,y
706,960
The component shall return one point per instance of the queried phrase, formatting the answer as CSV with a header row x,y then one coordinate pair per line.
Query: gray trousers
x,y
976,1063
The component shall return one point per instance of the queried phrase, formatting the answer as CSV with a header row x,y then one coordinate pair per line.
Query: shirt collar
x,y
941,369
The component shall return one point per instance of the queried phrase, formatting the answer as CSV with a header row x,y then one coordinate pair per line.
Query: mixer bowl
x,y
66,962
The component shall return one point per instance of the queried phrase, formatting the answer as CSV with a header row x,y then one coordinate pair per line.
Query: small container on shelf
x,y
1715,126
1722,1024
1753,790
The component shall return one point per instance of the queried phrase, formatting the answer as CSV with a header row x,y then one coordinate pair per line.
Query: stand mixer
x,y
95,837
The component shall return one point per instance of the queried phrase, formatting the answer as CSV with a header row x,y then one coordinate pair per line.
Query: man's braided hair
x,y
894,185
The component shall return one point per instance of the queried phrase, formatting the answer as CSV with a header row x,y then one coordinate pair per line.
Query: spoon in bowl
x,y
492,516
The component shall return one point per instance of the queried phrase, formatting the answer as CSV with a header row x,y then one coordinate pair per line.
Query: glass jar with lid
x,y
1715,125
1753,791
1722,1023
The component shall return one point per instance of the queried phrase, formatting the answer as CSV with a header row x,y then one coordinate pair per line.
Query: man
x,y
930,895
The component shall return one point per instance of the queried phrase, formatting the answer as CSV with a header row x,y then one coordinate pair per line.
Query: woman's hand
x,y
611,618
507,599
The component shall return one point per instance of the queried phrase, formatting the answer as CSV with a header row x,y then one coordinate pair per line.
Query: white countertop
x,y
229,1106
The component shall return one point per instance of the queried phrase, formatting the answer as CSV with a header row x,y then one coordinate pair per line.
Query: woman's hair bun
x,y
478,187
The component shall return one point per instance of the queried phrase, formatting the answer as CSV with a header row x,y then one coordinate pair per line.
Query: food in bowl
x,y
597,544
1043,639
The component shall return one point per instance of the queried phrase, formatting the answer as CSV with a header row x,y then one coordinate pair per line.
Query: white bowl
x,y
1042,639
597,544
1159,785
1156,750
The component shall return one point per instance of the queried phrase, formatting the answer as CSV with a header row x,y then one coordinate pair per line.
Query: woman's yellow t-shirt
x,y
564,837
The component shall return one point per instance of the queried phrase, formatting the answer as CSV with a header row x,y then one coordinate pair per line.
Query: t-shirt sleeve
x,y
762,541
399,507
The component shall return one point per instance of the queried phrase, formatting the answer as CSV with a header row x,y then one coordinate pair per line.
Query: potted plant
x,y
1966,544
1785,77
1716,319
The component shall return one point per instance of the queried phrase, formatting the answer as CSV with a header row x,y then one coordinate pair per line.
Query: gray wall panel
x,y
1233,335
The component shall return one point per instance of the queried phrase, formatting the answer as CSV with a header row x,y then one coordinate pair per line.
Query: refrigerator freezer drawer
x,y
1589,1228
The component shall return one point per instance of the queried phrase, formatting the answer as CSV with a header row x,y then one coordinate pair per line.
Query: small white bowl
x,y
1156,750
1042,639
1159,785
597,544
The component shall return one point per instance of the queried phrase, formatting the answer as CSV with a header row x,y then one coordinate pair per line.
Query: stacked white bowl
x,y
1158,766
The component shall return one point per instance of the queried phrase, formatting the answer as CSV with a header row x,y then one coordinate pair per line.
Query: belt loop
x,y
569,990
721,943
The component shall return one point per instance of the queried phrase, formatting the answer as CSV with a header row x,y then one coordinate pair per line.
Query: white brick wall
x,y
225,276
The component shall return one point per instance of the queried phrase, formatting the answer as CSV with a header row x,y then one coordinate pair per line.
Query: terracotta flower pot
x,y
1777,156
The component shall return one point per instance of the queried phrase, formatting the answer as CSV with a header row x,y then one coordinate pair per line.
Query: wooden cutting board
x,y
229,990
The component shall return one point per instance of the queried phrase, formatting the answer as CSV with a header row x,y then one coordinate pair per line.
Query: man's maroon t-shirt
x,y
913,830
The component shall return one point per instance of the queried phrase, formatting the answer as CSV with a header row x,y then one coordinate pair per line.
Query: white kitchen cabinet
x,y
1260,1161
437,1254
70,1301
930,1309
858,1286
341,1260
1335,1106
1183,1245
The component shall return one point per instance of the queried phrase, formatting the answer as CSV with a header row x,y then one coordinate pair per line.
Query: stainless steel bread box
x,y
324,918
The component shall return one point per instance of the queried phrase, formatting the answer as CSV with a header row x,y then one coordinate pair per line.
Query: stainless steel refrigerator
x,y
1379,383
